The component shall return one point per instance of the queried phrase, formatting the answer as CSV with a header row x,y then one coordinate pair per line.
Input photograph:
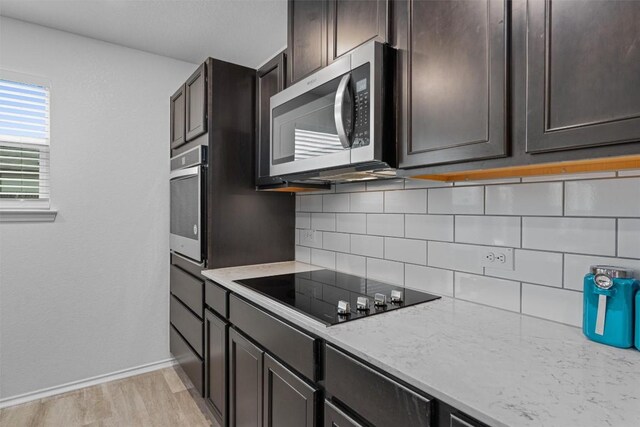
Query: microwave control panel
x,y
362,106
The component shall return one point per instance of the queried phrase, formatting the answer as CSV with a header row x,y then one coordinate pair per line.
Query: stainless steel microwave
x,y
338,123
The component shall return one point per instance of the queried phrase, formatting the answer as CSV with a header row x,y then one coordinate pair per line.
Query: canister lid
x,y
612,271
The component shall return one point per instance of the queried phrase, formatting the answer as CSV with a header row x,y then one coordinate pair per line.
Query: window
x,y
24,142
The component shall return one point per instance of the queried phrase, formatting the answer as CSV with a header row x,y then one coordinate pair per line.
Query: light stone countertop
x,y
500,367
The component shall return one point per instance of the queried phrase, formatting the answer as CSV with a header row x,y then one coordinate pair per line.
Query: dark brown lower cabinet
x,y
334,417
288,401
189,361
245,381
216,339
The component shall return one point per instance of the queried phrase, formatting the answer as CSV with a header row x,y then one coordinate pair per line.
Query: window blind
x,y
24,144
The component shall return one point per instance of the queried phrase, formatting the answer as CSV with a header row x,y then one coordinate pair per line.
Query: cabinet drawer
x,y
376,398
188,289
216,297
334,417
191,364
187,324
294,347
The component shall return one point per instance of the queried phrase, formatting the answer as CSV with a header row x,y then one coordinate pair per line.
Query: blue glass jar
x,y
638,320
608,312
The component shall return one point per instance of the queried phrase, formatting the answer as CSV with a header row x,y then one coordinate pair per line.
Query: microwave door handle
x,y
343,104
182,173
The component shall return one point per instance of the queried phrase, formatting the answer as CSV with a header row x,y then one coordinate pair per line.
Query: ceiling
x,y
246,32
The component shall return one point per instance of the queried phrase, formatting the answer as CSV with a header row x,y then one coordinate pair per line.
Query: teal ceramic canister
x,y
608,310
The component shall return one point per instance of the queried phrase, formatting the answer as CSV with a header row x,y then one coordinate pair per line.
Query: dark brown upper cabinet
x,y
583,74
196,103
176,121
455,82
307,38
354,22
270,80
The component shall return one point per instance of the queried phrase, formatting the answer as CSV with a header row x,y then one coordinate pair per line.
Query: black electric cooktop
x,y
318,294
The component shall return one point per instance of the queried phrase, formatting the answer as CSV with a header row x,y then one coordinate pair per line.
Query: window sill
x,y
27,215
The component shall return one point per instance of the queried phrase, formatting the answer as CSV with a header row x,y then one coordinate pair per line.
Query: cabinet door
x,y
334,417
354,22
583,74
271,79
245,382
457,82
196,100
177,114
216,333
288,401
307,44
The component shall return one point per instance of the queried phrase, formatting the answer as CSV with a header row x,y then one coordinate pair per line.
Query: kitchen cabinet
x,y
245,381
270,80
454,82
288,401
451,417
216,336
335,417
196,103
583,74
176,120
307,38
189,361
351,23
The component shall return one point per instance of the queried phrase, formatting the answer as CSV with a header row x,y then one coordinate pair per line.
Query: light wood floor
x,y
160,398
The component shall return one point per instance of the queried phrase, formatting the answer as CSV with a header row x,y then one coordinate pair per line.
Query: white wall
x,y
87,294
432,236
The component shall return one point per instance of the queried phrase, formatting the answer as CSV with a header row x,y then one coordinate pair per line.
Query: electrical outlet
x,y
498,258
309,236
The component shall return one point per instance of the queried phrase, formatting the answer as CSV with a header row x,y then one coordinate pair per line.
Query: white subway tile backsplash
x,y
456,200
558,225
559,305
351,223
339,242
385,271
405,201
629,237
569,176
303,254
429,227
323,258
385,224
425,183
296,236
544,268
428,279
629,172
525,199
488,230
335,203
303,220
405,250
577,266
372,246
367,202
385,184
323,221
487,290
602,197
352,264
455,256
580,235
311,203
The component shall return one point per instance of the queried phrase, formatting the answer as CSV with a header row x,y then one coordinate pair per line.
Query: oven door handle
x,y
183,173
343,111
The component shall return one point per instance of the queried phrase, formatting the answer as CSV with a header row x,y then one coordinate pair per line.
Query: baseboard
x,y
75,385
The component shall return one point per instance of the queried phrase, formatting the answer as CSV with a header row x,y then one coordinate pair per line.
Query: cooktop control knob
x,y
363,304
380,300
344,308
396,297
